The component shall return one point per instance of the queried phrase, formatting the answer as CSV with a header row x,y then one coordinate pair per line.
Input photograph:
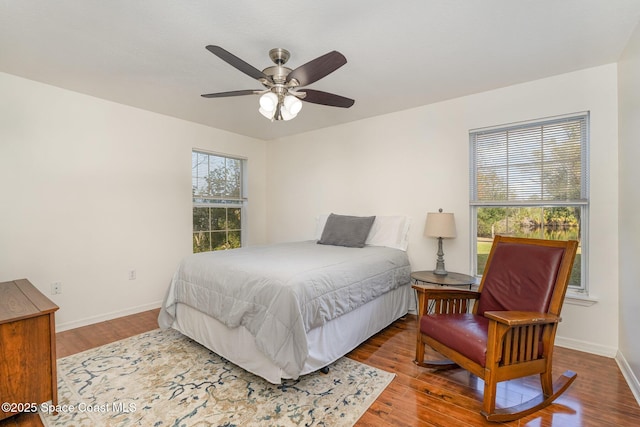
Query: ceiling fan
x,y
280,100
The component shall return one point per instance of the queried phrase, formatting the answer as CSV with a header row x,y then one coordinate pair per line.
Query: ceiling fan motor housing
x,y
279,72
279,56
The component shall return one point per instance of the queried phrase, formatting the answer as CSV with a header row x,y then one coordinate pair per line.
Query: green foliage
x,y
488,218
216,181
216,176
532,221
216,229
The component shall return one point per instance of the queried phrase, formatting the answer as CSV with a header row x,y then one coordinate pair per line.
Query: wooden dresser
x,y
27,348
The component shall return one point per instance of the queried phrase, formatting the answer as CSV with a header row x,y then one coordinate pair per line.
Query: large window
x,y
531,180
218,201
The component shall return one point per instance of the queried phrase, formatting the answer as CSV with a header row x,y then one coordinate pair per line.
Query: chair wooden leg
x,y
489,400
441,365
419,351
546,381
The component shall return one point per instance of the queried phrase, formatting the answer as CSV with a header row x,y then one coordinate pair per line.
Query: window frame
x,y
221,201
582,203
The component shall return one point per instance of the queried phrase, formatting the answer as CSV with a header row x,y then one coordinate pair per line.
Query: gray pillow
x,y
345,230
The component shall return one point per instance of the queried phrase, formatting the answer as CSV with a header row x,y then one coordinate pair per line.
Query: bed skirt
x,y
326,343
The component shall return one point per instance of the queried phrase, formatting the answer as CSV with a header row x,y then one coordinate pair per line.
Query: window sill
x,y
580,299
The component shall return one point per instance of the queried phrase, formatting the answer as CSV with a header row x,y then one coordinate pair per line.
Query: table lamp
x,y
441,225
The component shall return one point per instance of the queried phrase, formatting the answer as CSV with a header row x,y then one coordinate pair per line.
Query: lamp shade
x,y
440,224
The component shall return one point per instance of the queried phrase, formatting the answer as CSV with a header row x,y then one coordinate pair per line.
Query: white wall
x,y
416,161
90,189
629,227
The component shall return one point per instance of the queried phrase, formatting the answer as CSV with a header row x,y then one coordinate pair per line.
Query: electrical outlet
x,y
56,288
132,274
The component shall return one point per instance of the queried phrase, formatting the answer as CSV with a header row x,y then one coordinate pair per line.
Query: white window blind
x,y
533,164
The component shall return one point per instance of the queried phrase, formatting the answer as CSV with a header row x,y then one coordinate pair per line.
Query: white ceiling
x,y
401,54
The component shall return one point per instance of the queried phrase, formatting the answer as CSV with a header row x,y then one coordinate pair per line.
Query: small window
x,y
531,180
218,201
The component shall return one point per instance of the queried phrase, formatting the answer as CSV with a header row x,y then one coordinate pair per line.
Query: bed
x,y
288,309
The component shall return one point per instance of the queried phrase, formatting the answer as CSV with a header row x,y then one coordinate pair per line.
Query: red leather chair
x,y
510,330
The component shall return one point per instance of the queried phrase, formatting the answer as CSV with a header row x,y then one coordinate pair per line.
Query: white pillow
x,y
321,221
390,231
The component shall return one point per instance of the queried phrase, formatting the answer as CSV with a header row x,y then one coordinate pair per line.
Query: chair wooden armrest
x,y
445,300
519,318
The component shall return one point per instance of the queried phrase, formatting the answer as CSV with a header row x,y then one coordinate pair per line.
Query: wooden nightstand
x,y
451,279
423,280
27,348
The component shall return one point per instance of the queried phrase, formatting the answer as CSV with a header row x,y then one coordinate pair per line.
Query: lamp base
x,y
440,271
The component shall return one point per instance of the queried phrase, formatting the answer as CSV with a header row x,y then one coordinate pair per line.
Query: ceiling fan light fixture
x,y
268,114
269,102
274,107
292,104
286,115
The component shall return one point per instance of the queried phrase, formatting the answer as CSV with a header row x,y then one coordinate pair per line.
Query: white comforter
x,y
279,292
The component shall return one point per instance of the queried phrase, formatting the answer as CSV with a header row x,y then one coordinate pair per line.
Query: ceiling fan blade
x,y
318,68
236,62
326,98
232,93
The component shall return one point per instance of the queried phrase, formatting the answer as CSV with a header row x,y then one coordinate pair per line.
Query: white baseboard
x,y
586,346
107,316
601,350
629,376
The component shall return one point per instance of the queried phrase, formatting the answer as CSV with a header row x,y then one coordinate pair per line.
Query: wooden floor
x,y
419,397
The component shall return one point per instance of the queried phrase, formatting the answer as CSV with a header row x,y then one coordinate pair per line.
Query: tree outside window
x,y
218,201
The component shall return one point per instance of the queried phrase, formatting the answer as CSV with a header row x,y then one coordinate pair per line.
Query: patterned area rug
x,y
162,378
